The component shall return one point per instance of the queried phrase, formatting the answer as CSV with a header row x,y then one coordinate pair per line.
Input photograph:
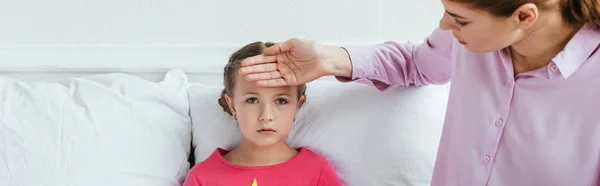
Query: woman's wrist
x,y
337,61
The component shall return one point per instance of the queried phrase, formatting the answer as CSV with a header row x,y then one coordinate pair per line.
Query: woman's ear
x,y
229,101
301,101
526,15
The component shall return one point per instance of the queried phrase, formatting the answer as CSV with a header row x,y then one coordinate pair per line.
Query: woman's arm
x,y
394,63
298,61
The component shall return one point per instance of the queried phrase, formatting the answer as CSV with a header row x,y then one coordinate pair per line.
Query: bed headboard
x,y
201,63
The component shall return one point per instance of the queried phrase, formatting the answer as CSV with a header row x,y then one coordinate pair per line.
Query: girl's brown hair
x,y
576,12
234,64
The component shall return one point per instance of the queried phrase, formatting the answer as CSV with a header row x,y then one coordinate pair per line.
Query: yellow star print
x,y
254,183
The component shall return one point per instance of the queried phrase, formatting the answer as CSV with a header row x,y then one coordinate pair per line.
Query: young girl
x,y
265,117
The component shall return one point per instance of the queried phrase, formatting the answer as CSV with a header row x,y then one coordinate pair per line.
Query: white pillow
x,y
372,137
110,129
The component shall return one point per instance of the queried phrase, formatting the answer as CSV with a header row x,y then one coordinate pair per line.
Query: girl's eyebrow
x,y
283,94
255,93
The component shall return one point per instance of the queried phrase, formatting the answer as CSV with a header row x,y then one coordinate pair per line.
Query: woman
x,y
524,106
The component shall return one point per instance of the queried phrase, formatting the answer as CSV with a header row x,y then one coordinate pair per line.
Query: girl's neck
x,y
250,154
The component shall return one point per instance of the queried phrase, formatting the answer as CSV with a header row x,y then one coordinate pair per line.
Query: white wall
x,y
196,35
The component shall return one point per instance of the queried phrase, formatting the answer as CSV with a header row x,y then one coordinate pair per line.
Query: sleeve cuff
x,y
362,60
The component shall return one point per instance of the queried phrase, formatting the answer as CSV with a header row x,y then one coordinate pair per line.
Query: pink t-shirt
x,y
307,168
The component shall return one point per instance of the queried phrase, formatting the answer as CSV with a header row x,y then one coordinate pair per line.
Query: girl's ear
x,y
229,101
301,101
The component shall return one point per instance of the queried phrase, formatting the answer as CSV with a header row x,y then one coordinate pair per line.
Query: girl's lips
x,y
266,131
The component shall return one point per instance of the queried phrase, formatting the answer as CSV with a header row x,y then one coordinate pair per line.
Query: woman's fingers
x,y
260,68
259,59
279,48
263,76
272,82
263,68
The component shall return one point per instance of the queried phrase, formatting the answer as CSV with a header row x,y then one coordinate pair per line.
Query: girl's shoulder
x,y
212,161
307,153
319,166
307,156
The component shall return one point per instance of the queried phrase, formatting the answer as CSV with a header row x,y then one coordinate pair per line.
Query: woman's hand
x,y
294,62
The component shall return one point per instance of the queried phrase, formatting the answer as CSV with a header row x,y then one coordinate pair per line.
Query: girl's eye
x,y
461,23
251,100
281,101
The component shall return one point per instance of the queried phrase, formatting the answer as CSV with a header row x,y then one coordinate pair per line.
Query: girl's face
x,y
480,31
265,115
